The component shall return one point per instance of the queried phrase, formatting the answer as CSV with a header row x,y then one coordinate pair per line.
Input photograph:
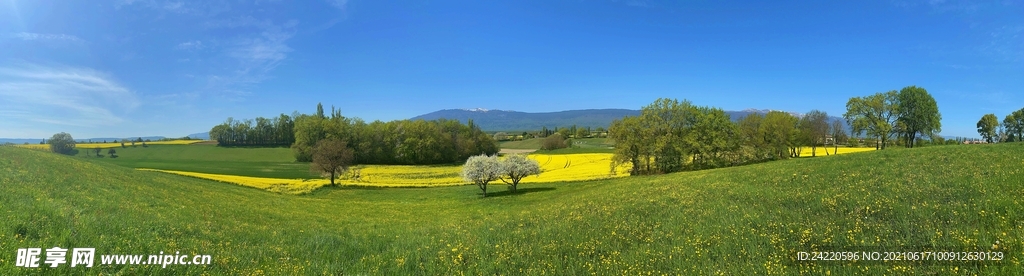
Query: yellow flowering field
x,y
554,168
806,151
573,167
280,185
111,145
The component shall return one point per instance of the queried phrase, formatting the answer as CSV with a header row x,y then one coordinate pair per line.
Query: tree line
x,y
405,142
671,135
905,115
1011,129
259,132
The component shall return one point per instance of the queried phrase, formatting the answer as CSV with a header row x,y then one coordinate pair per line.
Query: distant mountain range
x,y
200,136
504,120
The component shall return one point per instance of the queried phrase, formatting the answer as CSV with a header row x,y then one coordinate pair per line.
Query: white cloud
x,y
1005,44
47,37
254,54
69,96
173,6
210,7
190,45
338,4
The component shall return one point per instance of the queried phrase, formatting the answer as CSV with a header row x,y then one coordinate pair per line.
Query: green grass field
x,y
735,221
258,162
586,145
524,144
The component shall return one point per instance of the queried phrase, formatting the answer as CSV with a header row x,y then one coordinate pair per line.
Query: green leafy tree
x,y
62,143
711,136
582,133
668,134
919,114
778,129
1014,126
97,151
565,132
987,127
814,127
482,169
630,144
308,131
112,153
515,167
875,115
331,157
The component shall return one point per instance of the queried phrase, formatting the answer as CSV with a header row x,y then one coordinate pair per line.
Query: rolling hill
x,y
734,221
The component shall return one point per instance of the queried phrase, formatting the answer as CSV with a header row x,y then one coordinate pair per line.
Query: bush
x,y
62,143
554,141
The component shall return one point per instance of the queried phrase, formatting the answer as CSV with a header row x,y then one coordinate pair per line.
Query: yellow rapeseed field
x,y
806,151
573,167
554,168
111,145
288,186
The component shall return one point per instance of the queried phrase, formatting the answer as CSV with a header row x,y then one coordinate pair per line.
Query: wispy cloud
x,y
190,45
338,4
1006,44
47,37
180,7
70,96
255,54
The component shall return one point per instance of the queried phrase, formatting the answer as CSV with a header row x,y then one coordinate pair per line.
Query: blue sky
x,y
170,68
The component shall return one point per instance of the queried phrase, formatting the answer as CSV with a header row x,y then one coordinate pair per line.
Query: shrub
x,y
554,141
62,143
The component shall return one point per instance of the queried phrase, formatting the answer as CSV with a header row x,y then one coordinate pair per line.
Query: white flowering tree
x,y
515,167
482,169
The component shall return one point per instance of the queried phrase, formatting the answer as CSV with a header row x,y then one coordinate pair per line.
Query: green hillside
x,y
586,145
259,161
748,220
533,143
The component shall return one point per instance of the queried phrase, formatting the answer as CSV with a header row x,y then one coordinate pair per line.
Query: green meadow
x,y
585,145
274,162
532,143
748,220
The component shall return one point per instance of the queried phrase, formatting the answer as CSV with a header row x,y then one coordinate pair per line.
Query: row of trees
x,y
905,115
671,135
395,142
1011,130
573,131
258,132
